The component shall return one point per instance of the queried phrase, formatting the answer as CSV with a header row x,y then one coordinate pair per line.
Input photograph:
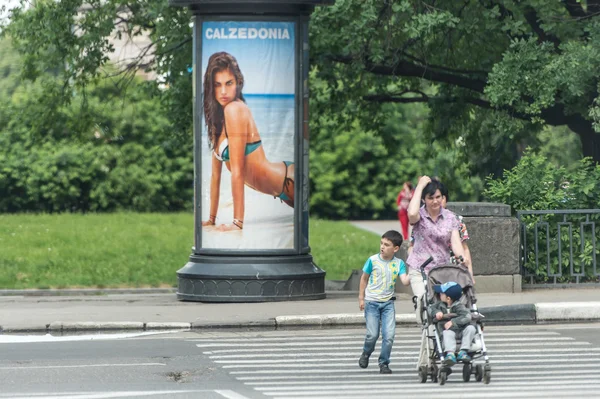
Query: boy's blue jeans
x,y
384,313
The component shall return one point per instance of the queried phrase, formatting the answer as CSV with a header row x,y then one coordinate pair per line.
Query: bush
x,y
564,241
536,184
65,177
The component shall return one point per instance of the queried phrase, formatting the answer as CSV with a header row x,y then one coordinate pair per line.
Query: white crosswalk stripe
x,y
526,363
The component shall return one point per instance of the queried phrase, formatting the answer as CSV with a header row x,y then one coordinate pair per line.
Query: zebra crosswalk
x,y
527,362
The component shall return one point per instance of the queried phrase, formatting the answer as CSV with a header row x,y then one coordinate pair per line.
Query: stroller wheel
x,y
443,377
487,374
478,373
433,372
467,368
423,374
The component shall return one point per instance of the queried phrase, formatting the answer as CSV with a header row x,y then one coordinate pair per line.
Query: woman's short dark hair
x,y
431,188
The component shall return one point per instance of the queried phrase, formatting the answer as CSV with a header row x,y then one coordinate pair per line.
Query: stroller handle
x,y
424,265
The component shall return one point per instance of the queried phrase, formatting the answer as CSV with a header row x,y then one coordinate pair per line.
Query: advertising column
x,y
248,123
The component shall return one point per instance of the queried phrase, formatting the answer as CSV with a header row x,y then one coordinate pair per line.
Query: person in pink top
x,y
402,202
435,229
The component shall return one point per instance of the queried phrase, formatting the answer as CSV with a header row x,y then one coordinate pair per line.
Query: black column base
x,y
211,278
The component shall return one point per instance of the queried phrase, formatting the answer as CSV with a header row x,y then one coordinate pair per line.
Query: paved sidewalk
x,y
147,311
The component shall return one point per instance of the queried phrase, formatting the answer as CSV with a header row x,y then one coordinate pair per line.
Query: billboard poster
x,y
248,125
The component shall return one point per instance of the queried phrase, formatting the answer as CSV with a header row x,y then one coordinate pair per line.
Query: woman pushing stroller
x,y
435,229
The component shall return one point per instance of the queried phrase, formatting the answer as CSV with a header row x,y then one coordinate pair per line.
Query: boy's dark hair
x,y
394,237
431,188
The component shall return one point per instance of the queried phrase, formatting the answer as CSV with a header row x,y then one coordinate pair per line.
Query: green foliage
x,y
118,154
496,72
358,165
63,177
564,241
72,40
560,146
492,75
537,184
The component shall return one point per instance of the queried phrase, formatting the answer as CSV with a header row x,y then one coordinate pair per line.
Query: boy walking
x,y
376,298
458,325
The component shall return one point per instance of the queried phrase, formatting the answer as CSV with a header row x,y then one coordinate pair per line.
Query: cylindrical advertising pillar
x,y
251,153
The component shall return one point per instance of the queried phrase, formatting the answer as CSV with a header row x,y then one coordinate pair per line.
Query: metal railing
x,y
559,247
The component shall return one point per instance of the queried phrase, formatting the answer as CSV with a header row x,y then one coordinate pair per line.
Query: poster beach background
x,y
265,54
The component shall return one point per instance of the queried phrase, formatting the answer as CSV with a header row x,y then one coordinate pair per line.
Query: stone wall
x,y
494,242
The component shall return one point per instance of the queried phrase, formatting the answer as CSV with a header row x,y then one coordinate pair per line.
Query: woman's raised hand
x,y
423,181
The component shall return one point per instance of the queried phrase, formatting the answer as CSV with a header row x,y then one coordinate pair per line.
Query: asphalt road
x,y
527,362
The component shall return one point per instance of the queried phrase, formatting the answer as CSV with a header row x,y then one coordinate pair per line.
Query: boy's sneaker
x,y
450,360
363,362
463,357
384,369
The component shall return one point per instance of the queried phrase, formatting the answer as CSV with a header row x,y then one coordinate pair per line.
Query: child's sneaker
x,y
384,369
450,360
463,357
363,362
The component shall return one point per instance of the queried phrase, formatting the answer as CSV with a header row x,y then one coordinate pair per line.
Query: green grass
x,y
136,249
339,247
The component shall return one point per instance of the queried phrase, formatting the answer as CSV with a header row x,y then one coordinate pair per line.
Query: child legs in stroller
x,y
466,336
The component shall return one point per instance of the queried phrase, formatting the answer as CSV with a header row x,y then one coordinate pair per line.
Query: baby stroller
x,y
431,344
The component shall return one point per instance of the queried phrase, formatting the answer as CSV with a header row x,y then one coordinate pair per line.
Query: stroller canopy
x,y
459,274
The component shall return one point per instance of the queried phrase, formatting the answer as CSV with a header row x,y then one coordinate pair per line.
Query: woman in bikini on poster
x,y
235,142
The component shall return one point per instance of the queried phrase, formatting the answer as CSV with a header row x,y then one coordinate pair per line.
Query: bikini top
x,y
223,153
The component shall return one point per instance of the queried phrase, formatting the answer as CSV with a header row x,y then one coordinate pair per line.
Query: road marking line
x,y
101,395
82,366
355,336
433,389
312,348
481,395
380,385
398,374
343,368
542,340
230,394
351,362
403,378
395,355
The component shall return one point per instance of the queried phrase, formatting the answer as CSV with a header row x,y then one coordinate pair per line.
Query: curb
x,y
87,326
567,311
86,291
539,313
348,319
509,314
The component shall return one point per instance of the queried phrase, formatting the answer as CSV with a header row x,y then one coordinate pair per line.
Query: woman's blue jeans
x,y
376,313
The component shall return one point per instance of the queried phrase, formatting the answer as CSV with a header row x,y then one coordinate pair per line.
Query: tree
x,y
488,60
73,40
495,75
119,154
358,164
533,60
